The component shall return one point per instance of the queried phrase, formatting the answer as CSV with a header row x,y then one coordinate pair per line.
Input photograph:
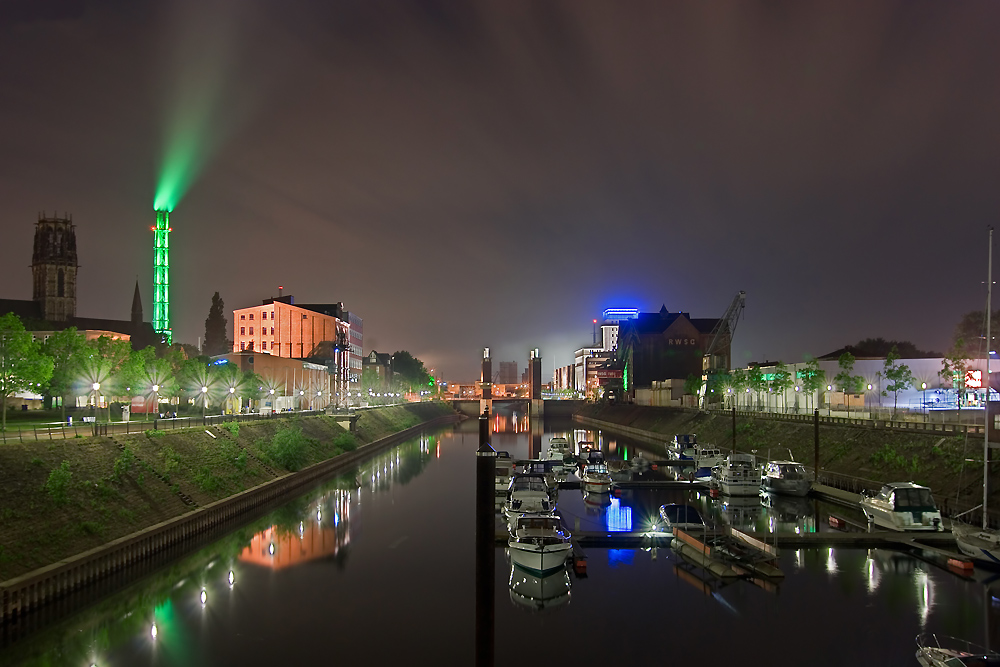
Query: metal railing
x,y
63,430
863,422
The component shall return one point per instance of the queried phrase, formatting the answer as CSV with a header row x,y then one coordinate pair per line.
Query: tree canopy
x,y
216,328
23,365
409,371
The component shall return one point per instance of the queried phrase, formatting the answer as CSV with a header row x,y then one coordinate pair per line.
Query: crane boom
x,y
722,334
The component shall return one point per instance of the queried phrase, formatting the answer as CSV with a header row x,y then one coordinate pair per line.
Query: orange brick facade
x,y
283,329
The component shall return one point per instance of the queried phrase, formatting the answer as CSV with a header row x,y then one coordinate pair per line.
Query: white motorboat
x,y
943,651
528,493
595,477
786,477
983,544
539,543
902,506
737,475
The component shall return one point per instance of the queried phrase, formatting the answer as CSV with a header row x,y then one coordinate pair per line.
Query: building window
x,y
272,314
272,331
243,346
263,345
243,317
251,316
251,328
243,331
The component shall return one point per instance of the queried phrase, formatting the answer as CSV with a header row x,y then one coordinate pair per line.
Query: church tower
x,y
53,268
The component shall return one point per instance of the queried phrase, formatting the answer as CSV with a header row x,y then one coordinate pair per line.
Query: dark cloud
x,y
469,174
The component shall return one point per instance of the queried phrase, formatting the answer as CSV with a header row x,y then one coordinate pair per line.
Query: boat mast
x,y
986,405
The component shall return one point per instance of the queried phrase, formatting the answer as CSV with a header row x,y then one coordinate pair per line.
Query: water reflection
x,y
539,592
277,547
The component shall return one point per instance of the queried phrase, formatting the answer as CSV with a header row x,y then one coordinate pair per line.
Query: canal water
x,y
376,567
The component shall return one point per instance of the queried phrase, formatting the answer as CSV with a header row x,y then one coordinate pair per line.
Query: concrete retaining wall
x,y
43,586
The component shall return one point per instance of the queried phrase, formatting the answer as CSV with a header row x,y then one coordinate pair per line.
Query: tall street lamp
x,y
829,400
156,399
923,388
96,387
204,401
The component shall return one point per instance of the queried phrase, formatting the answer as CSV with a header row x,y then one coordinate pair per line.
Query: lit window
x,y
243,317
251,328
251,316
243,331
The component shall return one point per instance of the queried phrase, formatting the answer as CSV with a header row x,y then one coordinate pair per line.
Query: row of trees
x,y
66,365
810,379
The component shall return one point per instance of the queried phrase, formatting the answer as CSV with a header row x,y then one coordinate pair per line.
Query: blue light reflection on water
x,y
618,518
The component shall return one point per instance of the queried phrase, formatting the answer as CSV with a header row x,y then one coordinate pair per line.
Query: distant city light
x,y
621,313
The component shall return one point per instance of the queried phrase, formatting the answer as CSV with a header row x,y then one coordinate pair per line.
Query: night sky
x,y
470,174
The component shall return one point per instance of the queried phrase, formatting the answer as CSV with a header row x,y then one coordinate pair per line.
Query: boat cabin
x,y
548,523
528,482
907,497
785,470
685,440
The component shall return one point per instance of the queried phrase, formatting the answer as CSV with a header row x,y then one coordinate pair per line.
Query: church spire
x,y
136,305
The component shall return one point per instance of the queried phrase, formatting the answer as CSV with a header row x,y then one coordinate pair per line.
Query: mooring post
x,y
816,445
485,544
734,430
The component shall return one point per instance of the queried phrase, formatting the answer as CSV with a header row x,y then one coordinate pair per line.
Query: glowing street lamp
x,y
204,402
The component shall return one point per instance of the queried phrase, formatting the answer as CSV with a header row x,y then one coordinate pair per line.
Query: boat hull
x,y
787,487
539,559
742,488
983,546
897,521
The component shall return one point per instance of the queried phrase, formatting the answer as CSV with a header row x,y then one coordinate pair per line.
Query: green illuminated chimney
x,y
161,276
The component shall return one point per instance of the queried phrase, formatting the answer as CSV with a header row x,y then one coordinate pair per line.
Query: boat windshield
x,y
596,468
538,523
793,472
529,484
914,499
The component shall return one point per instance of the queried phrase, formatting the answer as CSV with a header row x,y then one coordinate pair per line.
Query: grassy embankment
x,y
875,454
64,497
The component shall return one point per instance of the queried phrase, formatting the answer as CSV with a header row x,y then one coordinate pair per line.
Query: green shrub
x,y
36,461
206,481
58,482
123,465
345,442
232,427
91,527
155,433
288,448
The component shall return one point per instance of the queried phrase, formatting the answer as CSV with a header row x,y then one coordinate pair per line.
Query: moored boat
x,y
596,478
902,506
539,543
943,651
737,476
785,477
528,494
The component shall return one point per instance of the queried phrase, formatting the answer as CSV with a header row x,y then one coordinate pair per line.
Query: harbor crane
x,y
718,355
